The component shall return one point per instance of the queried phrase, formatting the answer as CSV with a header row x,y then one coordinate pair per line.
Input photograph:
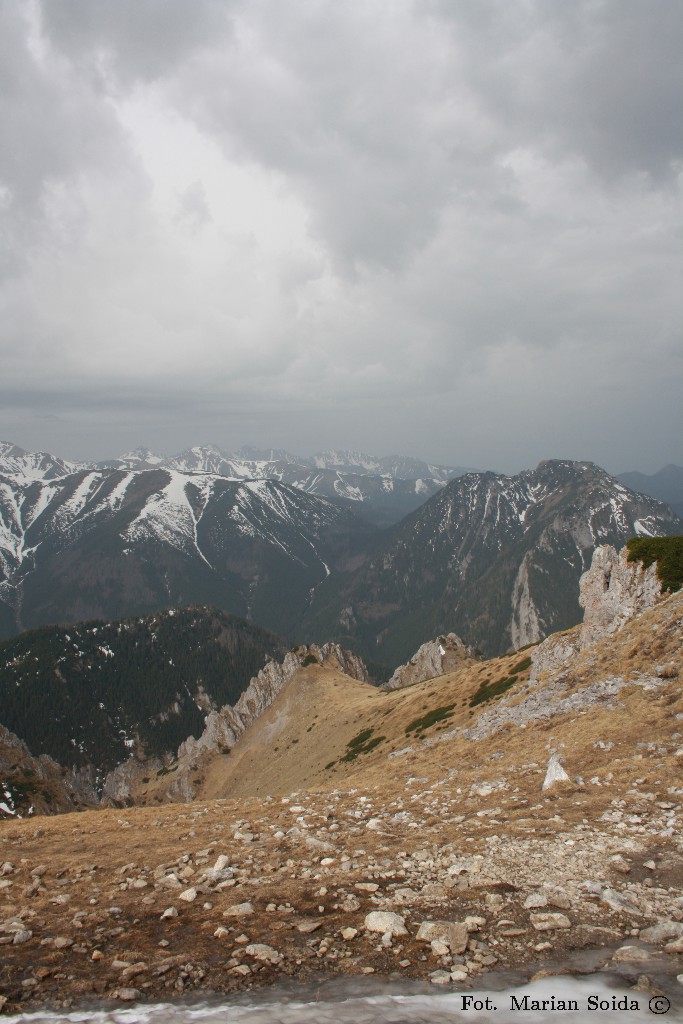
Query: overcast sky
x,y
447,228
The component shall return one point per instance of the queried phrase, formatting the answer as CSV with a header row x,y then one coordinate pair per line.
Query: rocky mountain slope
x,y
497,559
109,543
91,695
314,738
354,830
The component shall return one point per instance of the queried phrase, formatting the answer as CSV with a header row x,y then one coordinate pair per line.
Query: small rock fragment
x,y
631,954
126,995
549,922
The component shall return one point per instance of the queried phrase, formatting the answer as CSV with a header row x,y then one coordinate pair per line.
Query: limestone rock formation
x,y
120,783
555,772
223,728
611,592
433,659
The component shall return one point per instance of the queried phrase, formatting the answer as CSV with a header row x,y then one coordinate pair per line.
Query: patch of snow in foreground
x,y
383,1007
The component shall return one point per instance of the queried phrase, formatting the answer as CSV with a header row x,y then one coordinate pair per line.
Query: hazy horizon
x,y
233,449
447,230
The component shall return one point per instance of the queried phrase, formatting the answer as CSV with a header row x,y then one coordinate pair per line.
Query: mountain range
x,y
496,558
381,490
106,543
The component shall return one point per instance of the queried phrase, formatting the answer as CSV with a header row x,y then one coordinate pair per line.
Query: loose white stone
x,y
383,921
239,910
631,954
536,899
555,772
266,954
453,934
126,995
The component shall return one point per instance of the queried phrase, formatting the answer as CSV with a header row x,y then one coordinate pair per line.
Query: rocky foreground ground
x,y
419,880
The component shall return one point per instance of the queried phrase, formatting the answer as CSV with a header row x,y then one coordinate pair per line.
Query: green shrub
x,y
521,666
667,552
433,716
363,743
360,739
489,691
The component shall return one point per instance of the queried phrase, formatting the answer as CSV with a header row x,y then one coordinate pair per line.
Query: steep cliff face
x,y
611,593
433,659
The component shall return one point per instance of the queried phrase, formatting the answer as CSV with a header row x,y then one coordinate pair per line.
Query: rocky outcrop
x,y
611,592
525,625
121,782
433,659
553,654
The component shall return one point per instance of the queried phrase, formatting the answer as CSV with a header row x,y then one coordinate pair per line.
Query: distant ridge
x,y
666,484
381,489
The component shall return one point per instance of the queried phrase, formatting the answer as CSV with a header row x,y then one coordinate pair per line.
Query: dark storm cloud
x,y
598,79
133,40
363,223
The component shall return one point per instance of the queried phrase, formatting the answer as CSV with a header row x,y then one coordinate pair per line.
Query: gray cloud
x,y
446,228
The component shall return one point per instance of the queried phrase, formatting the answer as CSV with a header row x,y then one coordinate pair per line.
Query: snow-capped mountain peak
x,y
14,461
